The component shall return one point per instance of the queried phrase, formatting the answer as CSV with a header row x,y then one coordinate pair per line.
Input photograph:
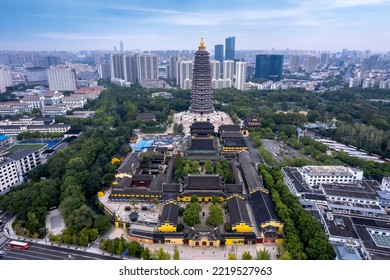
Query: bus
x,y
18,244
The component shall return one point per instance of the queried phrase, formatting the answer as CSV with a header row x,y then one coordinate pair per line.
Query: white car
x,y
1,252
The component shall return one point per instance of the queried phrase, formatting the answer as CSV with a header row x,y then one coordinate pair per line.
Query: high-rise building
x,y
228,72
294,63
324,59
230,48
215,69
184,73
130,68
269,67
311,63
62,79
52,60
116,66
218,55
36,76
172,73
121,47
104,71
201,93
240,75
147,67
250,71
5,79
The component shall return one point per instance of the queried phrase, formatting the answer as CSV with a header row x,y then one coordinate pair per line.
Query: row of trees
x,y
39,135
305,239
120,246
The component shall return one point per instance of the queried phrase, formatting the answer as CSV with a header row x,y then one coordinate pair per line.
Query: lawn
x,y
21,147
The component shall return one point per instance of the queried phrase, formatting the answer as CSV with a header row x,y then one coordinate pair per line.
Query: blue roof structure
x,y
3,137
143,144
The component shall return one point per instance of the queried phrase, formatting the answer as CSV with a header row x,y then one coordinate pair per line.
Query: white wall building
x,y
386,183
240,75
25,161
62,79
8,174
314,175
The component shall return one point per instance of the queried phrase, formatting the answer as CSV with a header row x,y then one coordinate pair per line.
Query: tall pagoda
x,y
201,93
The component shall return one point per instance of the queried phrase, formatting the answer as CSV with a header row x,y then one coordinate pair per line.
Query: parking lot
x,y
279,150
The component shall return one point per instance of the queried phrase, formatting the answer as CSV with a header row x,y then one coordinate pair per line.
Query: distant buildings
x,y
215,69
62,79
5,79
230,48
311,63
269,67
294,63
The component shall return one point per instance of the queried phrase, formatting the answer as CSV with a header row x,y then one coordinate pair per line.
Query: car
x,y
1,252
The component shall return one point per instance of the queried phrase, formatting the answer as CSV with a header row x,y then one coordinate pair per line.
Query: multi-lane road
x,y
46,252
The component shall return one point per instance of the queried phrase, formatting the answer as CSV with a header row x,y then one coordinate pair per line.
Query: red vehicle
x,y
18,244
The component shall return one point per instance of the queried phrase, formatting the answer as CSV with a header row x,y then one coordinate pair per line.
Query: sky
x,y
327,25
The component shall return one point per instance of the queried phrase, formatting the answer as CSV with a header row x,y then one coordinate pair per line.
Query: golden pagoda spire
x,y
201,46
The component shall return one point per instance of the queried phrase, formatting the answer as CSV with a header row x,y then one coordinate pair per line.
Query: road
x,y
253,151
48,252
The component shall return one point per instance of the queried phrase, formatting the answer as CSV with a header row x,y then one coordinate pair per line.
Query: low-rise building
x,y
54,111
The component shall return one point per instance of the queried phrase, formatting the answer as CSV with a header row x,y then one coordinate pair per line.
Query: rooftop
x,y
238,212
326,170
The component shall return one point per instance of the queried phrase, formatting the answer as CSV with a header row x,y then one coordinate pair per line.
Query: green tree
x,y
246,256
208,167
194,198
176,254
263,254
215,217
146,255
160,254
232,256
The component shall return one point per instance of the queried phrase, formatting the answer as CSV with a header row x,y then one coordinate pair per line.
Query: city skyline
x,y
89,24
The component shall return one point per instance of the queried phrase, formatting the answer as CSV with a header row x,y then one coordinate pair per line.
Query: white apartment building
x,y
228,70
62,79
314,175
8,174
215,69
147,67
240,75
25,161
184,73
